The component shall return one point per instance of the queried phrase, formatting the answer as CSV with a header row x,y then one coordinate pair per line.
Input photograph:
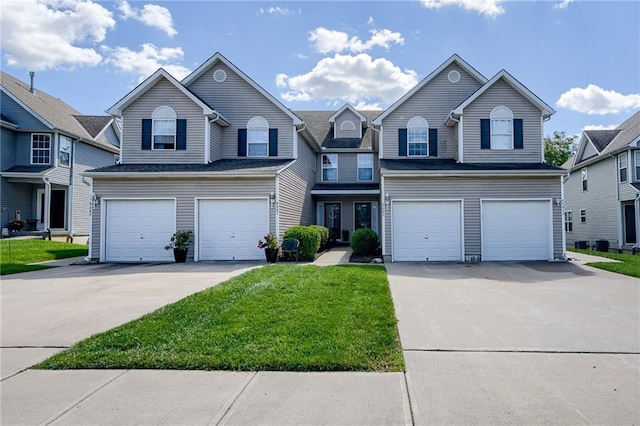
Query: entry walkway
x,y
338,255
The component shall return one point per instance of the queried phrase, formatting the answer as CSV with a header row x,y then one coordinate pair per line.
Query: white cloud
x,y
600,127
596,100
563,4
147,60
364,106
351,78
328,41
277,10
490,8
151,15
370,20
54,34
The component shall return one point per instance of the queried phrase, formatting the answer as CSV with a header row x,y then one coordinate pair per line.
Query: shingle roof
x,y
569,163
636,185
629,131
93,124
601,138
452,165
231,165
28,169
345,186
318,124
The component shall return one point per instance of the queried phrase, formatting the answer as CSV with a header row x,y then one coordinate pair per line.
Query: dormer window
x,y
257,137
347,125
501,128
164,128
417,137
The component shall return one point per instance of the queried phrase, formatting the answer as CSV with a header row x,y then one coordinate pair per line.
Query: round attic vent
x,y
453,76
219,76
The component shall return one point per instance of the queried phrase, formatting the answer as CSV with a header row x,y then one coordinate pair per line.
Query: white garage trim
x,y
430,200
549,217
103,217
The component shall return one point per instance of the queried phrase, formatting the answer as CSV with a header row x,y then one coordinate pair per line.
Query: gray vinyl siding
x,y
471,191
162,93
110,136
589,151
239,102
8,152
16,196
19,116
348,167
60,176
625,191
295,205
501,93
434,101
456,145
86,157
23,148
215,137
347,114
184,190
600,202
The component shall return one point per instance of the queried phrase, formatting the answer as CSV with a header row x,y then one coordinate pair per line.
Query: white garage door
x,y
427,231
516,230
138,230
230,229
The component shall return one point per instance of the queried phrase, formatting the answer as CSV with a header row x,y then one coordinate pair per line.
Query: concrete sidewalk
x,y
338,255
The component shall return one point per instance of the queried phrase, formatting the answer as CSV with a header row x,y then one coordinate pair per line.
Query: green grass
x,y
630,263
283,318
16,255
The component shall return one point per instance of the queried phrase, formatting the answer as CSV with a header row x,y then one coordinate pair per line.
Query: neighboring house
x,y
453,171
602,190
46,145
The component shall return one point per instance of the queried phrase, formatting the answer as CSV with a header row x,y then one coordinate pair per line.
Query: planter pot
x,y
271,255
179,255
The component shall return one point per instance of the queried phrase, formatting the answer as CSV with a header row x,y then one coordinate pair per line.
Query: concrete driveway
x,y
508,343
43,312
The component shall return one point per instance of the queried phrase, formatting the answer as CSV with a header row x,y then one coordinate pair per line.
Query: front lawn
x,y
16,255
629,263
281,317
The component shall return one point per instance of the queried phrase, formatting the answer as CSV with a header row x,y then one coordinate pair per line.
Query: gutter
x,y
171,175
414,173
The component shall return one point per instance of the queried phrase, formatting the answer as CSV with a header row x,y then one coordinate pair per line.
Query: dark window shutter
x,y
433,142
273,142
181,134
146,133
402,142
518,137
242,142
485,133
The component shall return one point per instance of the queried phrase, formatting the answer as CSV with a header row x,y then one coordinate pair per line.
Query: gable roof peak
x,y
348,106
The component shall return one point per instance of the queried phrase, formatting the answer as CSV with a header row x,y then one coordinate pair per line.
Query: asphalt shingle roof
x,y
452,165
345,186
231,165
93,124
318,124
601,138
28,169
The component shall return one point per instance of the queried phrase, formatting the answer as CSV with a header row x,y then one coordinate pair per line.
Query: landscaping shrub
x,y
324,235
364,241
309,238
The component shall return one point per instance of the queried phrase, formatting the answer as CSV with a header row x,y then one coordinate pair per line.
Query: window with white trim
x,y
568,221
365,167
329,167
623,164
347,125
164,128
584,178
501,128
583,215
418,137
64,151
636,155
40,148
257,137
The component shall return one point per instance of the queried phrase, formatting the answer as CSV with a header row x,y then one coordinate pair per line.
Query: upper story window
x,y
418,137
257,137
347,125
583,216
568,221
64,151
365,167
329,167
623,164
636,159
501,128
164,128
584,179
40,148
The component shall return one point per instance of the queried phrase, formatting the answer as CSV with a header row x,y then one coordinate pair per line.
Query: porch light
x,y
272,199
387,201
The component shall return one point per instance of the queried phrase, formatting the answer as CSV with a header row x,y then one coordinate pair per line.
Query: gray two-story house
x,y
602,190
46,145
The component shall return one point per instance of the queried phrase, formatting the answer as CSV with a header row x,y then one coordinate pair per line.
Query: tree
x,y
559,148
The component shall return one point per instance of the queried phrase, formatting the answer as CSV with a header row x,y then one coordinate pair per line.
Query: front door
x,y
57,210
332,220
363,215
629,224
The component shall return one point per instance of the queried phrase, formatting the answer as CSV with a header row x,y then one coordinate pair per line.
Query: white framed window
x,y
583,216
584,179
501,128
623,164
164,128
64,151
636,159
418,137
257,137
347,125
40,148
365,167
329,167
568,221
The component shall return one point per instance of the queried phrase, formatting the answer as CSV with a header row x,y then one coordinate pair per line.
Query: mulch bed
x,y
364,258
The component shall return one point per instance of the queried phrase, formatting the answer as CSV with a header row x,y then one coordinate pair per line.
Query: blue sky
x,y
581,57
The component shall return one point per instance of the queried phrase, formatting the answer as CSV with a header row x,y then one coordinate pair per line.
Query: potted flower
x,y
16,225
179,242
270,246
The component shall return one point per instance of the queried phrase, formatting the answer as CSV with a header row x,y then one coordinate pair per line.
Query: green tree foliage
x,y
558,148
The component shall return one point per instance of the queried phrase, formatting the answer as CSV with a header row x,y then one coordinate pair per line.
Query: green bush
x,y
324,235
364,241
309,238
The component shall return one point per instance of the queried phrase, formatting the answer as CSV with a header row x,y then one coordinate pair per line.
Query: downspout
x,y
379,140
460,148
296,140
91,207
207,132
618,205
564,234
637,203
47,204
